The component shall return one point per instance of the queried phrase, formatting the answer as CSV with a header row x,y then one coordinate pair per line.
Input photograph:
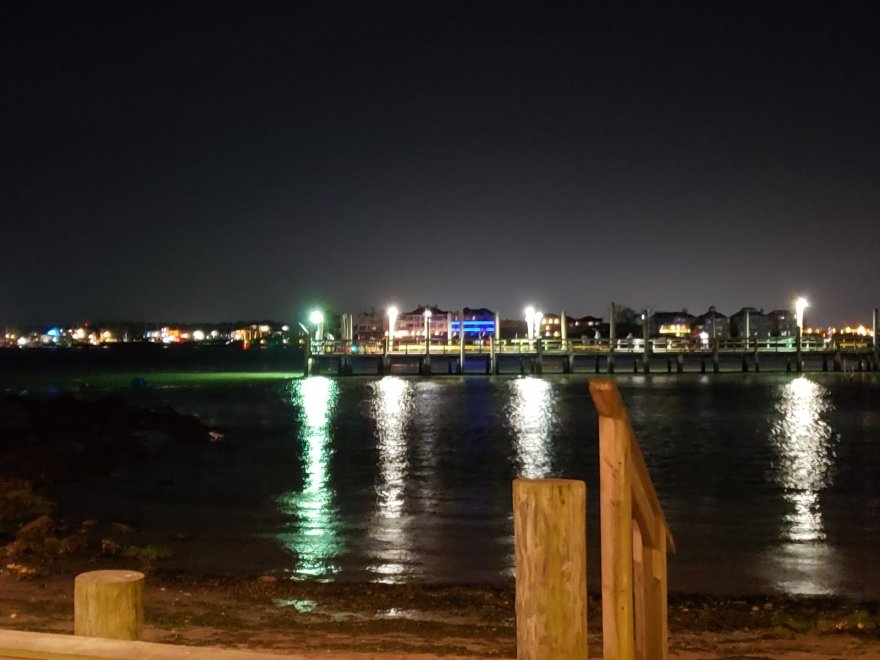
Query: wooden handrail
x,y
635,539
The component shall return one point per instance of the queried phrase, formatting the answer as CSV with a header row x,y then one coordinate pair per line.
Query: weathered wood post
x,y
797,348
307,356
612,335
550,521
679,363
461,343
109,604
716,362
876,345
646,351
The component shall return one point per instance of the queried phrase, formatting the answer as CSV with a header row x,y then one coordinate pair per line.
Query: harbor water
x,y
770,482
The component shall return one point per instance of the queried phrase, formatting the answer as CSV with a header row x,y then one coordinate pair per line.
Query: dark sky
x,y
208,161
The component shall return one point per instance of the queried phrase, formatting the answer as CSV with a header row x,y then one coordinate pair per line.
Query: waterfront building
x,y
783,323
758,323
671,324
479,322
412,324
715,324
584,327
370,325
551,325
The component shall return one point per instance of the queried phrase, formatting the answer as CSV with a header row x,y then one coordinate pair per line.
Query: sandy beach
x,y
393,621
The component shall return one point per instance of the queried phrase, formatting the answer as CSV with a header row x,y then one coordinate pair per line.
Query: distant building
x,y
550,325
713,323
412,324
757,321
783,323
478,322
585,326
369,325
671,324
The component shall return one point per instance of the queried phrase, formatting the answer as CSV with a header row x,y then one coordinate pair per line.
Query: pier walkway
x,y
493,356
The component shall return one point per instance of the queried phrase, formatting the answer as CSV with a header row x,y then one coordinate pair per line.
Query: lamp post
x,y
317,319
530,322
427,315
392,327
799,306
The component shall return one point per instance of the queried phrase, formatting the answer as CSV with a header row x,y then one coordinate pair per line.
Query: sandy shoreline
x,y
391,621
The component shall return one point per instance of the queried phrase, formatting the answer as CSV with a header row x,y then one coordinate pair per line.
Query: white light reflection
x,y
315,537
532,417
805,455
391,407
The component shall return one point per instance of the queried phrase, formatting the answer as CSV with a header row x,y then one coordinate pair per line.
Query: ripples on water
x,y
408,479
804,445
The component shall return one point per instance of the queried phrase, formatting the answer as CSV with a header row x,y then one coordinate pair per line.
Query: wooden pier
x,y
536,356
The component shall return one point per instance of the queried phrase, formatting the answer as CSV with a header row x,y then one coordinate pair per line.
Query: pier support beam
x,y
679,363
716,362
799,365
612,337
876,344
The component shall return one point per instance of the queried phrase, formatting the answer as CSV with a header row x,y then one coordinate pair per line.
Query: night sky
x,y
210,161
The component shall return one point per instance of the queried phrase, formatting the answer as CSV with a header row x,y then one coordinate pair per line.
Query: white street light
x,y
392,326
427,315
799,306
317,319
530,321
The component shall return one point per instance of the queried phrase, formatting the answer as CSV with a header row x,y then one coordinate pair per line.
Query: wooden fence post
x,y
109,604
550,520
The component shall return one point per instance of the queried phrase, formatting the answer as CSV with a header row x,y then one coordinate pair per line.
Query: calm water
x,y
769,482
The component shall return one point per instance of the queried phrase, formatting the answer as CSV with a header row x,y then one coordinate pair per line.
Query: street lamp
x,y
799,306
317,319
392,326
427,315
530,322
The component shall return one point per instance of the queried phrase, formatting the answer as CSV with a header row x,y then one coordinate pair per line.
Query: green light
x,y
316,317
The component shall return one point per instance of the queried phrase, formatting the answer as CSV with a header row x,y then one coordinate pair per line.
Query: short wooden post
x,y
550,520
109,604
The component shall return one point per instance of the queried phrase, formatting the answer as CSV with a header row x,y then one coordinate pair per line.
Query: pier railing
x,y
583,346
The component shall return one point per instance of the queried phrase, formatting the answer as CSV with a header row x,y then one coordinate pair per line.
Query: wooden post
x,y
874,335
679,361
109,604
550,520
307,360
797,348
461,343
611,336
716,366
646,351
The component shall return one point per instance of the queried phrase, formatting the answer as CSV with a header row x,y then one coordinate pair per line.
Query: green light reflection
x,y
315,536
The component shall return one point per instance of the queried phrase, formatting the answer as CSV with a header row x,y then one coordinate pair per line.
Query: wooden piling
x,y
549,519
109,604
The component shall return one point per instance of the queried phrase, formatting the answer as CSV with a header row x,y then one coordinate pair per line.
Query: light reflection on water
x,y
531,416
406,479
315,537
391,407
803,442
